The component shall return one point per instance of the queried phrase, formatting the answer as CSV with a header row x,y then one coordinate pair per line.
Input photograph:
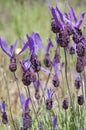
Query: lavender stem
x,y
32,105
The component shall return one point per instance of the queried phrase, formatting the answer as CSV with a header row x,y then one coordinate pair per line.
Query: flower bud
x,y
65,103
78,83
55,81
28,77
47,60
49,104
79,65
37,95
4,118
54,27
12,65
80,100
27,121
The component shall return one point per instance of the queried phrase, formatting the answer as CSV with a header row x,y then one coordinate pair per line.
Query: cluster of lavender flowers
x,y
66,28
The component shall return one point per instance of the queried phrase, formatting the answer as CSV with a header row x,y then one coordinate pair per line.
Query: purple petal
x,y
13,47
50,44
26,104
81,20
60,14
23,100
50,92
37,84
73,15
54,122
5,47
30,43
46,71
3,106
55,17
38,42
25,64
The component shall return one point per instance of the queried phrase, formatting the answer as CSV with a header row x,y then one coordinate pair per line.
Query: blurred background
x,y
19,17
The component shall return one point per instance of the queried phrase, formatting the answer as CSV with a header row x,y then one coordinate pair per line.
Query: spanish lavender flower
x,y
28,74
54,122
10,51
47,59
26,118
75,24
80,100
64,33
35,44
79,65
4,114
78,82
49,101
65,103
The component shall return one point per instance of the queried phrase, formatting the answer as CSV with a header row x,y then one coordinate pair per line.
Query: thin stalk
x,y
16,79
67,77
9,102
43,95
85,81
66,119
48,78
32,105
82,85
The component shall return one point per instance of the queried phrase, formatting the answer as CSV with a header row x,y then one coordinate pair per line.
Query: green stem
x,y
9,102
32,105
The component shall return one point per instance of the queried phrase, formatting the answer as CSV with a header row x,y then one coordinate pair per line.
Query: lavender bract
x,y
49,101
26,118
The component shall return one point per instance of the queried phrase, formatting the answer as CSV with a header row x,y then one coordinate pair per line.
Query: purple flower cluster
x,y
67,28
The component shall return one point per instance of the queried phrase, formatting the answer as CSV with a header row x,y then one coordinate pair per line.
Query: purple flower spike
x,y
24,102
54,122
50,44
50,92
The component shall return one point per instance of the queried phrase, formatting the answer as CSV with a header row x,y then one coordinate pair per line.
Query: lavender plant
x,y
70,106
